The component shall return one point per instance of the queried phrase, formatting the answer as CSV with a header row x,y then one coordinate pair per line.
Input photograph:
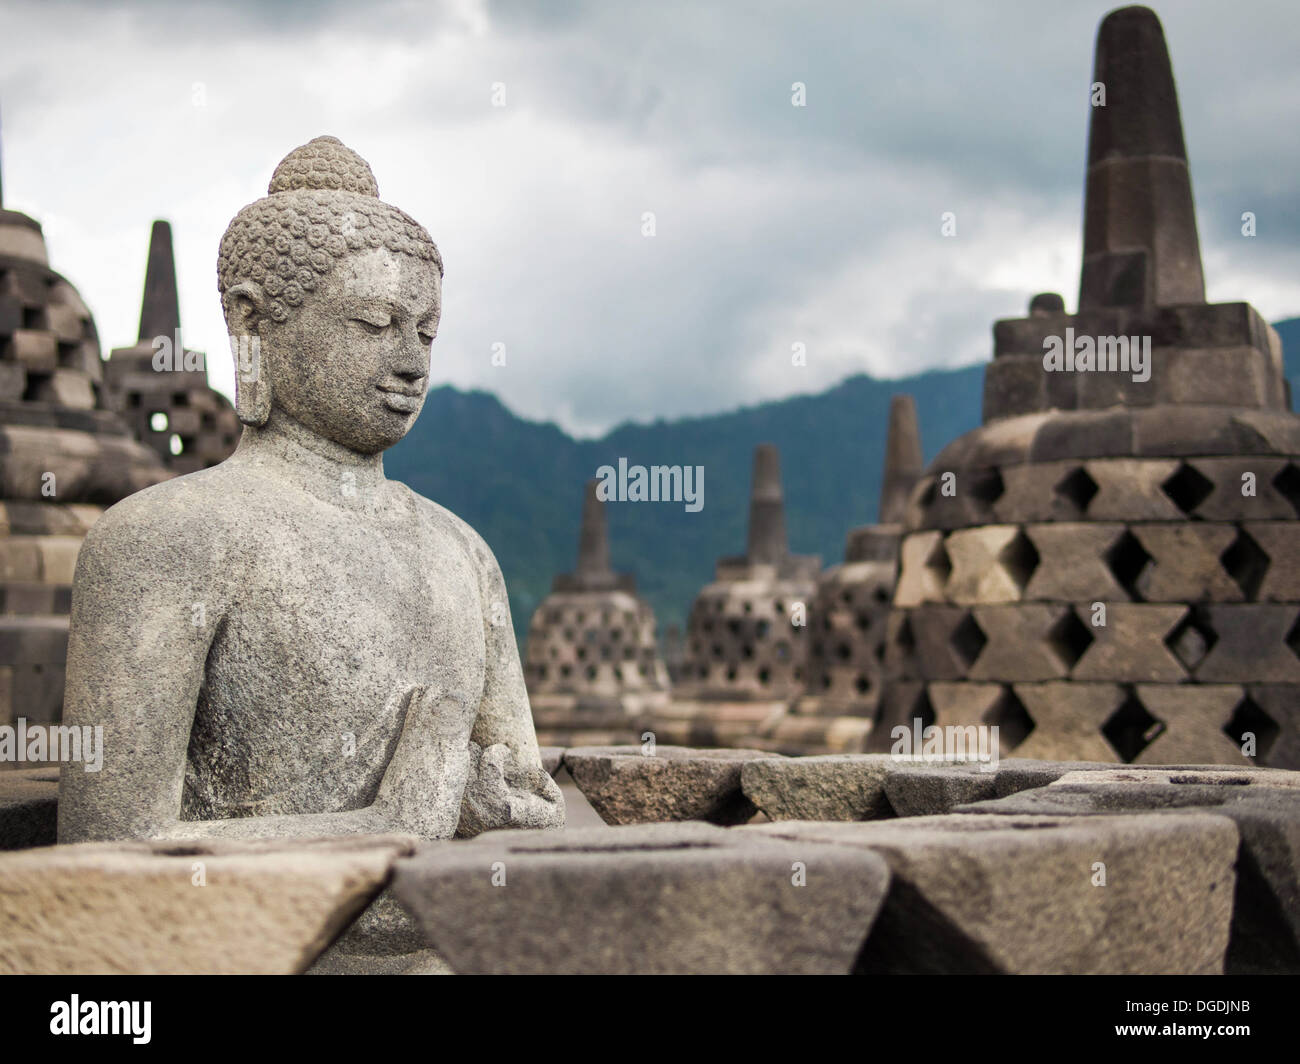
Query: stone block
x,y
927,790
1185,563
924,567
1084,434
831,787
1255,643
1131,646
1281,546
29,805
652,899
36,350
626,786
1068,717
927,649
27,640
985,565
1014,385
987,894
1227,501
1071,562
1194,718
1223,376
13,380
265,907
66,387
58,558
1031,493
1020,645
1129,489
1264,805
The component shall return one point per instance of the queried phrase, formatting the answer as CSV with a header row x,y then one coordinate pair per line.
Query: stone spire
x,y
593,540
767,542
1140,246
160,313
903,462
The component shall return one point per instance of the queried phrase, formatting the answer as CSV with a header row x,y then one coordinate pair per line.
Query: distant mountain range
x,y
520,483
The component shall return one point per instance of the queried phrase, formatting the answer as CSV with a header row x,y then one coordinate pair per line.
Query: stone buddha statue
x,y
288,643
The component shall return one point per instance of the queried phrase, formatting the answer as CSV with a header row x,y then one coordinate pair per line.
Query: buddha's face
x,y
352,361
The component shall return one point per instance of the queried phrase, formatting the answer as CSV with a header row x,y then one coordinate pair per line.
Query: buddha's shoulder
x,y
443,523
185,515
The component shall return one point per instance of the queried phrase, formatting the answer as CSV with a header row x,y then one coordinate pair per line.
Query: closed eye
x,y
372,327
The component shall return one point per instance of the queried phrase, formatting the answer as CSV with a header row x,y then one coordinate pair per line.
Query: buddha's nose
x,y
411,361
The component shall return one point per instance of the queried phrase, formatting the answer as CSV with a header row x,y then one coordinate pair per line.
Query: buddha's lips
x,y
402,401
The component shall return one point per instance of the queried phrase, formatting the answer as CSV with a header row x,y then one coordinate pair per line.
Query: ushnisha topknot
x,y
322,203
324,163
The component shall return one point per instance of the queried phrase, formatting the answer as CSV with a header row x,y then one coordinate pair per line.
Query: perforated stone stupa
x,y
63,458
592,663
848,615
161,389
1109,568
746,637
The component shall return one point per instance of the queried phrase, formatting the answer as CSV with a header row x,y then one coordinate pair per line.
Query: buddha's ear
x,y
245,309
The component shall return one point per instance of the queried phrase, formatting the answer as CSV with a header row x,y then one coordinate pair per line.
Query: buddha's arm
x,y
514,790
143,617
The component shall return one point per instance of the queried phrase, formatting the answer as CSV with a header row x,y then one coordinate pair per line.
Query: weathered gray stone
x,y
1263,803
552,757
213,907
631,785
995,894
832,787
649,899
341,645
29,801
928,789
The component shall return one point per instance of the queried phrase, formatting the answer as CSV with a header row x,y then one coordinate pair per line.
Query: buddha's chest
x,y
328,628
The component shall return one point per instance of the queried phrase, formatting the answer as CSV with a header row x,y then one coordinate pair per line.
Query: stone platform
x,y
845,864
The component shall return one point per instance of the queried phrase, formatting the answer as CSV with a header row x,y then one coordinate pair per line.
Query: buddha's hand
x,y
425,780
501,794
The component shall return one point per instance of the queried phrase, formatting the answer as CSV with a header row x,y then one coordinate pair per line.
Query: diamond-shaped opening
x,y
1187,487
930,493
967,640
1246,562
1192,638
1078,487
1287,482
1249,719
938,563
906,639
1019,558
987,487
1011,719
1293,637
1068,638
922,709
1131,728
1127,560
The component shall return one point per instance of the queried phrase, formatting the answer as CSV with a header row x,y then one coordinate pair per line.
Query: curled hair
x,y
322,203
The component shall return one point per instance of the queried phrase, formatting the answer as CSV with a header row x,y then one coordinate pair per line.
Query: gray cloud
x,y
775,225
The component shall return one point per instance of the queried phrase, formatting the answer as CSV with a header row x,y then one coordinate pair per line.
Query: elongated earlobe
x,y
252,399
244,305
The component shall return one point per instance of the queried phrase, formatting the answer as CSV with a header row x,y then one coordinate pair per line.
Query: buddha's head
x,y
339,296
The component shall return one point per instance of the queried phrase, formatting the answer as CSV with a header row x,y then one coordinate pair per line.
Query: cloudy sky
x,y
774,224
